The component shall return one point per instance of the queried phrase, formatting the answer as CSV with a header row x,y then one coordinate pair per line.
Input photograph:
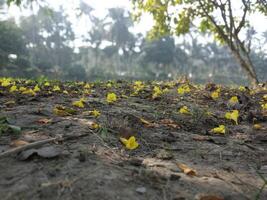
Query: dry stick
x,y
38,144
25,147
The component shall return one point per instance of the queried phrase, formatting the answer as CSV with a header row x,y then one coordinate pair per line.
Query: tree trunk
x,y
247,66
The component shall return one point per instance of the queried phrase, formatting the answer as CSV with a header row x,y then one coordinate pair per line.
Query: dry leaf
x,y
169,122
18,143
209,197
147,123
201,138
44,121
187,170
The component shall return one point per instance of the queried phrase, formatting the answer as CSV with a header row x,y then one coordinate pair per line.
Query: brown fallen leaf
x,y
201,138
209,197
9,103
169,122
18,143
148,124
44,121
187,170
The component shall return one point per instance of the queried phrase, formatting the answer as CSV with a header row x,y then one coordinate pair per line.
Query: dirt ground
x,y
178,157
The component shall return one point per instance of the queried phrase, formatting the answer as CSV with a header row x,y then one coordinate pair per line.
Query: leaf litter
x,y
134,140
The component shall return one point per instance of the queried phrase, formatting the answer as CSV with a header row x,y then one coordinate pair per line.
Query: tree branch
x,y
242,22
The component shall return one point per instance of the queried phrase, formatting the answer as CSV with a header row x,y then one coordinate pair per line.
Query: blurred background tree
x,y
46,43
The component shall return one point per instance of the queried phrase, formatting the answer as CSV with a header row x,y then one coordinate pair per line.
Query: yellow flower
x,y
165,90
184,110
29,92
65,92
233,100
6,83
86,92
130,143
242,88
95,125
22,89
216,94
47,84
95,113
257,126
219,130
86,86
208,113
183,89
156,92
36,89
264,106
13,89
252,92
56,88
138,85
79,103
265,97
111,97
232,115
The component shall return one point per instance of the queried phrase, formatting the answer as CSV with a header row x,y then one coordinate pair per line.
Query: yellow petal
x,y
184,110
130,143
215,95
124,141
111,97
13,88
78,104
219,130
233,100
232,115
36,89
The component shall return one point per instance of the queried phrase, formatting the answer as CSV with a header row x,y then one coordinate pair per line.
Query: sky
x,y
101,7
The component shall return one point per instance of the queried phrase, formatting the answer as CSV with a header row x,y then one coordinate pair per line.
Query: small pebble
x,y
141,190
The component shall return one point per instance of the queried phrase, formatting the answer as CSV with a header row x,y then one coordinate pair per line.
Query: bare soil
x,y
95,165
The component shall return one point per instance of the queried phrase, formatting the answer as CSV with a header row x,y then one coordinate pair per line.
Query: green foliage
x,y
6,127
217,17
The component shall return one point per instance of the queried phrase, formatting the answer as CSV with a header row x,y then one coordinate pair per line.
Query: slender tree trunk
x,y
247,66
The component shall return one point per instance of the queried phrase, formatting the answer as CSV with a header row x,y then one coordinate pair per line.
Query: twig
x,y
38,144
27,146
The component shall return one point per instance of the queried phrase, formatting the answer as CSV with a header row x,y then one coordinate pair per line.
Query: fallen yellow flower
x,y
264,106
156,92
86,86
36,89
219,130
95,125
47,84
257,126
56,88
79,103
183,89
130,143
216,94
184,110
138,85
242,88
95,113
111,97
109,85
232,116
29,92
233,100
22,89
13,89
